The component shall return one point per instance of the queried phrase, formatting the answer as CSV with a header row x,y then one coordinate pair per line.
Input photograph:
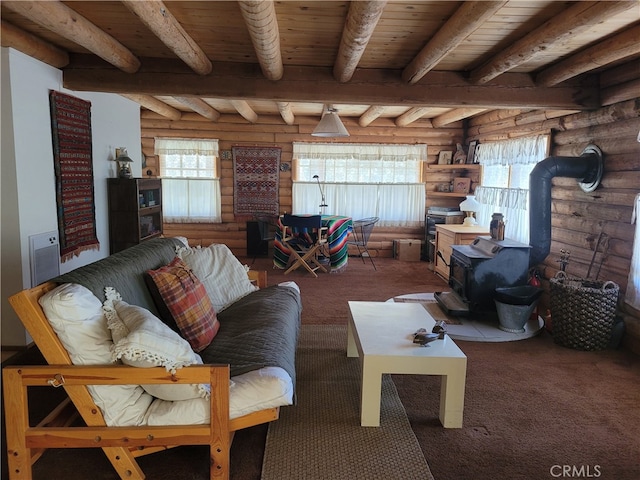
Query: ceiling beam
x,y
568,23
286,112
14,37
462,23
262,24
455,115
155,105
66,22
316,84
199,106
373,112
616,48
245,110
361,21
157,17
412,115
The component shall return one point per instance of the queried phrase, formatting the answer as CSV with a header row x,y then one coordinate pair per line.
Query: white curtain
x,y
632,296
397,205
361,180
505,182
190,184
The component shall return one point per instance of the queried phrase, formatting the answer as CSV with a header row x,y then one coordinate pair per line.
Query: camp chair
x,y
304,236
360,236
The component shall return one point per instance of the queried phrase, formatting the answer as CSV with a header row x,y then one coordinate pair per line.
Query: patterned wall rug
x,y
256,175
73,163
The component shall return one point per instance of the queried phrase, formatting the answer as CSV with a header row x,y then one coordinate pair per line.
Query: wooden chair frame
x,y
121,445
302,256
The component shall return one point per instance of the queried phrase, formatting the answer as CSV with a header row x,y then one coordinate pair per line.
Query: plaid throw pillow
x,y
186,299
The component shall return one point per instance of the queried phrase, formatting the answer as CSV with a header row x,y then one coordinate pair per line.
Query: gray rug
x,y
320,438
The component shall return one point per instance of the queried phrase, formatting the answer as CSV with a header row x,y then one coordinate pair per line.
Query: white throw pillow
x,y
250,392
143,340
77,318
222,274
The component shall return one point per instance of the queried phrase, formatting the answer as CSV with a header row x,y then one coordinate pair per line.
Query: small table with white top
x,y
381,334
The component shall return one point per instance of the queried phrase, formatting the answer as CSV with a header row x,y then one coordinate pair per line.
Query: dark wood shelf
x,y
131,219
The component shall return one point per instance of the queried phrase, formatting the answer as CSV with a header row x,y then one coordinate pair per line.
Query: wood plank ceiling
x,y
439,61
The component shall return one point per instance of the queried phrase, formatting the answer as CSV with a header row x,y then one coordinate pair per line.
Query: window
x,y
361,180
505,182
190,181
632,296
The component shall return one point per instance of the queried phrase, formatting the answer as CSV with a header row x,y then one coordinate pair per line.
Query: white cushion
x,y
143,340
222,274
77,318
250,392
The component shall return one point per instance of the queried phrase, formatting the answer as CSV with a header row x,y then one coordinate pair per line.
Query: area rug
x,y
73,164
320,438
256,175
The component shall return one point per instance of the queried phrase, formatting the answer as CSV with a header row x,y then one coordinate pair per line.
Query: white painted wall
x,y
27,175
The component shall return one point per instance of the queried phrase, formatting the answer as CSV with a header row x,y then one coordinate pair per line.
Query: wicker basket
x,y
583,312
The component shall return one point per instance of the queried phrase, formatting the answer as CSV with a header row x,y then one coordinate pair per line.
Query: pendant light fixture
x,y
330,125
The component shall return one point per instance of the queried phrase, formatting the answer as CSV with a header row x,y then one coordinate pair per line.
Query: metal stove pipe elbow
x,y
587,168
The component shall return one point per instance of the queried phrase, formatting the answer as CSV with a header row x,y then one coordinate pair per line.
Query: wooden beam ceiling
x,y
67,23
568,23
157,17
262,23
464,21
361,21
418,87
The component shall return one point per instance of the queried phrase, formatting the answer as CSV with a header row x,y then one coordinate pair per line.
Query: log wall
x,y
272,131
579,219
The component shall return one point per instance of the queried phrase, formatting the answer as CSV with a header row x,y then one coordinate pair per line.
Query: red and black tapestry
x,y
73,163
256,175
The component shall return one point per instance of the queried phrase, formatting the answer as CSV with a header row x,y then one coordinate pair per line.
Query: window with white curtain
x,y
632,296
361,180
505,182
190,181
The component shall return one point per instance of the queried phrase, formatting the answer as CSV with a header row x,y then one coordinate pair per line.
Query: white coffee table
x,y
381,334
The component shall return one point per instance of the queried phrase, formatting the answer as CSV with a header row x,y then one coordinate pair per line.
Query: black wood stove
x,y
476,270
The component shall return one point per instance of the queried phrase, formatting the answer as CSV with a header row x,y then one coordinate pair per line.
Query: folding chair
x,y
304,236
360,237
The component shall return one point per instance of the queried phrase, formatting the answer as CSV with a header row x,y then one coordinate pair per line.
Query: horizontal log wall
x,y
578,219
233,130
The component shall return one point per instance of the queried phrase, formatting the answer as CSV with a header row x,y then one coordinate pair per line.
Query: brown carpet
x,y
531,406
321,437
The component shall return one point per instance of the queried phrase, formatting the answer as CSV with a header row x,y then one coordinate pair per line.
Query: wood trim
x,y
315,84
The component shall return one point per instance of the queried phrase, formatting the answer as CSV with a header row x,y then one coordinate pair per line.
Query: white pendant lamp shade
x,y
330,125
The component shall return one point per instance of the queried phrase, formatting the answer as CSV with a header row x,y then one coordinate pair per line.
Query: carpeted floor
x,y
532,408
321,436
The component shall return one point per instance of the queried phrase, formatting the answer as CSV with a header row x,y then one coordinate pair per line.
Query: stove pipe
x,y
587,168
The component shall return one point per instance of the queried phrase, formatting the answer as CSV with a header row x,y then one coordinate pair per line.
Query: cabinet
x,y
447,235
431,219
135,211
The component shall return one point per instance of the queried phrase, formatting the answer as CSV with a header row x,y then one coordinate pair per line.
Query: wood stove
x,y
476,270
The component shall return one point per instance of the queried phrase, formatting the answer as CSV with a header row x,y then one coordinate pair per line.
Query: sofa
x,y
182,337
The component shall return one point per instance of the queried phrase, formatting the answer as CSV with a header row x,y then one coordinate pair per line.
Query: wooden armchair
x,y
122,445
